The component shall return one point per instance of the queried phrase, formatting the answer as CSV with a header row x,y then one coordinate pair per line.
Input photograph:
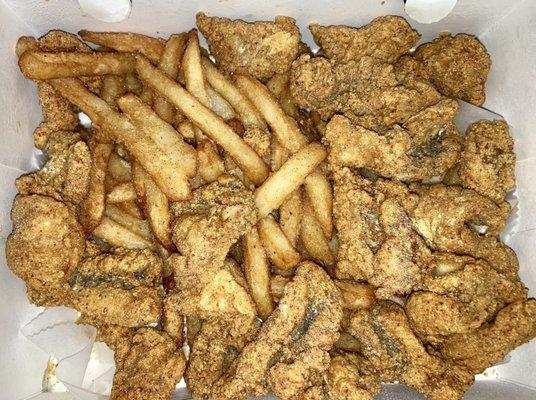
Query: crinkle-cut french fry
x,y
166,172
41,65
204,118
156,206
118,235
210,164
257,271
312,237
290,216
279,250
271,194
150,47
119,168
161,133
137,225
92,207
320,193
245,109
122,192
356,295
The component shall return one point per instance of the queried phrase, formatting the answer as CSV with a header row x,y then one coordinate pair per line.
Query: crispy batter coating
x,y
351,376
427,146
458,66
396,354
123,287
385,38
367,91
487,163
479,349
450,218
150,367
45,247
290,353
260,49
65,176
461,300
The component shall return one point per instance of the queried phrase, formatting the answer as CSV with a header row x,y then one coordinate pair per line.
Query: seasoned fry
x,y
312,237
119,168
170,63
210,163
290,176
133,84
113,86
24,44
92,207
257,272
290,216
122,192
166,172
245,109
219,105
211,124
277,286
278,154
320,193
193,72
187,130
162,133
156,206
118,235
137,225
131,208
150,47
147,96
41,65
278,247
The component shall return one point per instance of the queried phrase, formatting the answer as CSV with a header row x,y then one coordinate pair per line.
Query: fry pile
x,y
311,225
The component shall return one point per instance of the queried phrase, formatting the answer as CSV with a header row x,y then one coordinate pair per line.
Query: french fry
x,y
278,154
187,130
156,206
271,194
113,87
170,64
356,295
119,168
219,105
290,216
257,271
277,286
24,44
133,84
40,65
193,72
122,192
312,237
139,226
117,235
320,193
245,109
277,246
210,123
161,133
284,128
150,47
92,207
210,164
147,96
131,207
166,172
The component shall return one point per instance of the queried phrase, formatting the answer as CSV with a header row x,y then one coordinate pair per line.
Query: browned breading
x,y
385,38
487,163
66,174
458,66
351,376
260,49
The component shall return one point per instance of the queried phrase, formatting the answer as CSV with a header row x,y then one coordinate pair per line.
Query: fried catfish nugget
x,y
366,90
487,162
66,174
457,220
45,247
385,38
290,354
123,287
260,49
148,366
351,376
396,354
426,146
460,300
458,66
479,349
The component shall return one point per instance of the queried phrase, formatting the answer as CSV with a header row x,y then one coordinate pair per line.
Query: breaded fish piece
x,y
457,66
260,49
385,38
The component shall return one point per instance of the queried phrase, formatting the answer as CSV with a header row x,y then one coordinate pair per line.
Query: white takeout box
x,y
507,28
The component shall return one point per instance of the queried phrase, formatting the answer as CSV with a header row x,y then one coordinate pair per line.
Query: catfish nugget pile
x,y
311,225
